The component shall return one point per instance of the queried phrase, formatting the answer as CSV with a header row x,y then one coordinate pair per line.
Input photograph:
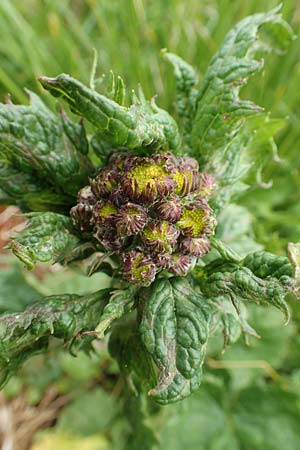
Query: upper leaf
x,y
174,329
32,141
46,237
186,93
218,135
29,191
143,124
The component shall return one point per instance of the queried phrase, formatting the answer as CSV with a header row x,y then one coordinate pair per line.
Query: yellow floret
x,y
193,220
157,233
147,173
106,210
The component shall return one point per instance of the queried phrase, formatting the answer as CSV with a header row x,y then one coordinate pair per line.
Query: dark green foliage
x,y
38,159
174,328
64,317
261,277
161,344
141,126
46,238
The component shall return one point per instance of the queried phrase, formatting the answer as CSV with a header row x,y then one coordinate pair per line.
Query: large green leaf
x,y
186,94
99,408
29,191
220,133
261,277
174,329
46,237
33,142
25,334
143,124
135,364
258,418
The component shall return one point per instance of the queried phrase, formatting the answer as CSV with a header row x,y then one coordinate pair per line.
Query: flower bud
x,y
190,164
147,183
194,246
163,261
82,217
210,224
197,218
160,236
207,185
131,219
151,212
170,209
85,195
117,197
109,239
104,213
166,160
138,268
104,182
186,176
181,264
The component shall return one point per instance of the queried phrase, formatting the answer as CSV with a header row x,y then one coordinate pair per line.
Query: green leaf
x,y
258,418
294,255
25,334
76,133
235,229
135,364
227,320
254,142
46,237
267,418
265,264
199,423
33,142
220,278
174,329
186,94
141,125
15,292
119,302
28,191
142,436
219,135
99,409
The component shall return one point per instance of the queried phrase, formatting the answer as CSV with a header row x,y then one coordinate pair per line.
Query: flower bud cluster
x,y
152,212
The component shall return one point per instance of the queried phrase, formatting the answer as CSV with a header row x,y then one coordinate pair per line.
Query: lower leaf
x,y
25,334
174,329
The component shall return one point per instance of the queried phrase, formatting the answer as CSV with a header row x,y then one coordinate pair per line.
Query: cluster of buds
x,y
152,212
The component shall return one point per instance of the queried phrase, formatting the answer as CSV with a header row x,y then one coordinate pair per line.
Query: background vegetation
x,y
251,397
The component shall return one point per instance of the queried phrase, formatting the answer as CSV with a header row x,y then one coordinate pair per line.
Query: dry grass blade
x,y
19,421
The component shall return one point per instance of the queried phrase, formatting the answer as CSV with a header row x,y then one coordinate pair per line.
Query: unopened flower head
x,y
151,212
